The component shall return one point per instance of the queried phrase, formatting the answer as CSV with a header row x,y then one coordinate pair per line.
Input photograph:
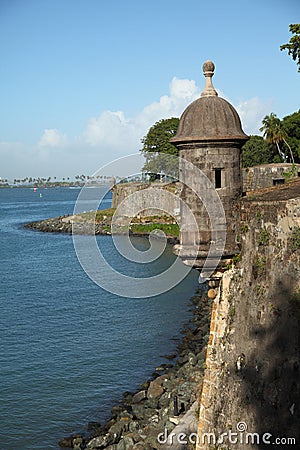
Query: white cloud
x,y
110,128
186,89
112,135
182,93
53,138
252,112
117,132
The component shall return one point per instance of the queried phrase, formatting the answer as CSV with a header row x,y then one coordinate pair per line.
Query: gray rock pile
x,y
63,224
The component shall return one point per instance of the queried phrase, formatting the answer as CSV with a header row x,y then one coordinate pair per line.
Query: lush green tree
x,y
161,155
291,125
257,151
282,137
157,140
293,46
159,164
275,134
270,125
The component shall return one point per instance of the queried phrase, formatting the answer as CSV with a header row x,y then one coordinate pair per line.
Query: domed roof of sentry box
x,y
209,117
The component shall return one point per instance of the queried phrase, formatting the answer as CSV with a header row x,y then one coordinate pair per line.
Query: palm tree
x,y
274,133
270,126
282,135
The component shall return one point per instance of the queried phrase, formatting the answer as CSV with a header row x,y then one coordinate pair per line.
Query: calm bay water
x,y
69,349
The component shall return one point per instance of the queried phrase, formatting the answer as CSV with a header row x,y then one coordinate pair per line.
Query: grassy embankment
x,y
138,224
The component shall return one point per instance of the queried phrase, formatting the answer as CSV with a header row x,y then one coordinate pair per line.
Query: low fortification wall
x,y
254,178
150,191
266,175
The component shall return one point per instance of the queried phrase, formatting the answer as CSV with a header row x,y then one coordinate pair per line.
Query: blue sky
x,y
83,80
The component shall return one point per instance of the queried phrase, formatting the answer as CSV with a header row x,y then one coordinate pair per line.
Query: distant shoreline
x,y
52,185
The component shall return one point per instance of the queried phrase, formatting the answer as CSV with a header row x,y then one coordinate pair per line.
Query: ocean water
x,y
69,349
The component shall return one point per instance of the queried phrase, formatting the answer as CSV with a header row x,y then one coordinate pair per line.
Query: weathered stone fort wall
x,y
254,178
145,191
266,175
252,377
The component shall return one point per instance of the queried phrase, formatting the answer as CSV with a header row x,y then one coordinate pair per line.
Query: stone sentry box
x,y
210,136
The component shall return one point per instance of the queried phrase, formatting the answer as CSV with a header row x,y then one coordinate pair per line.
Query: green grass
x,y
259,265
105,212
263,237
100,215
169,229
244,228
294,239
139,225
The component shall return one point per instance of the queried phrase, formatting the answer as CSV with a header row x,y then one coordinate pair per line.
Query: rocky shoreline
x,y
64,224
166,403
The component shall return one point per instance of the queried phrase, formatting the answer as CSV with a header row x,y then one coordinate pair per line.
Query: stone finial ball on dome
x,y
209,118
208,71
208,67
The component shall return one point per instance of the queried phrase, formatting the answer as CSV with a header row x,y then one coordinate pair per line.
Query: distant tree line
x,y
79,180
